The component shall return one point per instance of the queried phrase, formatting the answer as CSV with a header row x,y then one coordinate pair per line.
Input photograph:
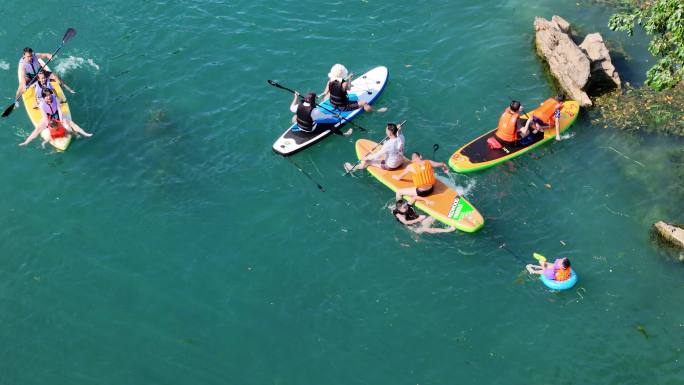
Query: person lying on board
x,y
306,113
50,111
547,115
509,124
29,65
406,214
339,82
422,175
559,270
392,150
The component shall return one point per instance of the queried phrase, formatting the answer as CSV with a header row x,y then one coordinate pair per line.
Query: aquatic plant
x,y
664,21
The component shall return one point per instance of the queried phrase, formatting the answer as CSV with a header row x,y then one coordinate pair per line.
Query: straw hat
x,y
338,72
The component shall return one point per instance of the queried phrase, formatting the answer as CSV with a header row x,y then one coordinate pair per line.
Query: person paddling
x,y
29,65
423,177
339,82
392,150
53,117
509,124
406,214
306,113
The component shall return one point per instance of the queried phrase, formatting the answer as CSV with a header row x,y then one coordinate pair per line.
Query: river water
x,y
174,247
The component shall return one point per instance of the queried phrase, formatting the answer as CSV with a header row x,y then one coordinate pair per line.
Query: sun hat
x,y
338,72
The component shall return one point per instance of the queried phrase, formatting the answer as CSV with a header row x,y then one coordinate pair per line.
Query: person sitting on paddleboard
x,y
559,270
41,84
339,82
52,115
509,124
306,113
423,177
392,150
29,65
546,115
406,214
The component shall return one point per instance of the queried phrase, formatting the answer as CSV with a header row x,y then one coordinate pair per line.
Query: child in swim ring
x,y
559,270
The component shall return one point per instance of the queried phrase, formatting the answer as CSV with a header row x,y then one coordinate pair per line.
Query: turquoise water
x,y
175,247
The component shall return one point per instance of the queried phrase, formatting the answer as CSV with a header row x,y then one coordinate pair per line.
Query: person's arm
x,y
377,154
398,177
294,104
557,124
326,91
436,230
403,220
43,56
440,164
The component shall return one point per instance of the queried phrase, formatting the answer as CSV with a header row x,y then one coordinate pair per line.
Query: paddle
x,y
338,116
373,149
539,257
306,173
70,32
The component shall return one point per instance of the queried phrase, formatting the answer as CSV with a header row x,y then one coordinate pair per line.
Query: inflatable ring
x,y
560,285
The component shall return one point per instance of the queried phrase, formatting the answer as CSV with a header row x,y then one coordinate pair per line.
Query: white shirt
x,y
393,150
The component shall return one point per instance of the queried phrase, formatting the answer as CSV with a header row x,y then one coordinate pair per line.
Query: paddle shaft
x,y
67,35
276,84
305,173
372,149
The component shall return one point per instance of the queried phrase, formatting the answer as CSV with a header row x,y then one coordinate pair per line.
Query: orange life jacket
x,y
547,109
562,274
57,130
423,176
508,126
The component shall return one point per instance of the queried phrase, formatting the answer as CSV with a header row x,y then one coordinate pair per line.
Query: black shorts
x,y
425,193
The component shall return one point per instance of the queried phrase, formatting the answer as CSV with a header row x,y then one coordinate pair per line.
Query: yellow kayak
x,y
29,97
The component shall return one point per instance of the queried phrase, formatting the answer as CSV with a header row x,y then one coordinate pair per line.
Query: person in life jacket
x,y
43,82
406,214
29,66
51,112
392,152
422,176
509,124
306,113
559,270
339,82
547,115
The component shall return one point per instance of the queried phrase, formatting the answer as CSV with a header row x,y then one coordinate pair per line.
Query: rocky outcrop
x,y
670,233
603,74
578,69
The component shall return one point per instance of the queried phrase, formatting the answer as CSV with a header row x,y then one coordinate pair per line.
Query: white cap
x,y
338,72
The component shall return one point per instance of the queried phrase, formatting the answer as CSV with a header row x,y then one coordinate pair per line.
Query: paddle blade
x,y
8,110
539,257
70,32
275,84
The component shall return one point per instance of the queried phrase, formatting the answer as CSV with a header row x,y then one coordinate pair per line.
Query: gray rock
x,y
603,73
670,233
561,23
567,62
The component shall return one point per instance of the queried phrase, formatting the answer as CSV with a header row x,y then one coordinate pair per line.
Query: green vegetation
x,y
642,109
664,21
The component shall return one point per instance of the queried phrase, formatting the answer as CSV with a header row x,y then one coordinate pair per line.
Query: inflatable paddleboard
x,y
477,155
447,207
366,87
29,98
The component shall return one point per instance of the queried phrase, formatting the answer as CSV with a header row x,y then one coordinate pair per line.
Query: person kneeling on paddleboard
x,y
509,124
547,115
306,113
51,112
423,177
406,214
392,150
559,270
339,82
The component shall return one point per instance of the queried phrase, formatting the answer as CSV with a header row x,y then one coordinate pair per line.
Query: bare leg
x,y
557,130
366,107
78,129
